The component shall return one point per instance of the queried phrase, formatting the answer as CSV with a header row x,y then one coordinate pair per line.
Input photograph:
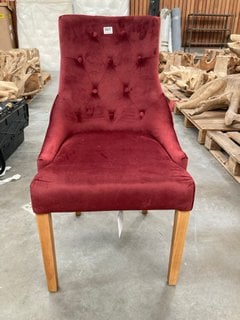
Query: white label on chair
x,y
120,222
107,30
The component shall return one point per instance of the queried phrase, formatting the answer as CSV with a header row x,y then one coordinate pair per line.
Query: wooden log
x,y
221,65
220,93
208,60
235,47
235,37
22,67
8,91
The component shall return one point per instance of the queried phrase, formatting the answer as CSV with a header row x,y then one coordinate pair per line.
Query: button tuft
x,y
141,113
80,60
111,114
126,90
140,60
123,34
111,63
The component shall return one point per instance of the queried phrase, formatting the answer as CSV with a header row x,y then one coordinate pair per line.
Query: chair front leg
x,y
181,219
45,230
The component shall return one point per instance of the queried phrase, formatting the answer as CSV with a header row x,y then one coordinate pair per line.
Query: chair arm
x,y
171,145
162,129
56,133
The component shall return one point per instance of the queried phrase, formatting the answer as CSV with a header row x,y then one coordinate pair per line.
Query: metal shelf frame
x,y
211,30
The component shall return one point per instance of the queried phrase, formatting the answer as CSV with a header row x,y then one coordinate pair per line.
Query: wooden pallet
x,y
45,77
225,147
207,121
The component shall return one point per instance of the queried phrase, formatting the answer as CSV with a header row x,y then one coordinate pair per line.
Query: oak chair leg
x,y
45,230
145,212
78,213
181,219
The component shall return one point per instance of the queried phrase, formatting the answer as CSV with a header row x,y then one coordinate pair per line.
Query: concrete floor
x,y
103,277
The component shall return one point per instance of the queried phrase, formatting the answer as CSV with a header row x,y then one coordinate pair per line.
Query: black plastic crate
x,y
14,117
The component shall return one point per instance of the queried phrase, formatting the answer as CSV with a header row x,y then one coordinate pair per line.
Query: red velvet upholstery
x,y
110,143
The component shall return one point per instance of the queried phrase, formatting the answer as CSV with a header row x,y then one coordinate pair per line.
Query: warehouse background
x,y
140,7
36,21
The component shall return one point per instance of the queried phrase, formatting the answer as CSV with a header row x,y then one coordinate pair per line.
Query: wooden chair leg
x,y
78,213
144,212
181,219
45,230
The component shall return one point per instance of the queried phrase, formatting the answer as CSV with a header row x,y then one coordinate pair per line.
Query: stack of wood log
x,y
208,61
20,74
188,79
221,93
212,82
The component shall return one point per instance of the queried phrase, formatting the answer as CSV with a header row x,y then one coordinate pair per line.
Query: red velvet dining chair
x,y
110,144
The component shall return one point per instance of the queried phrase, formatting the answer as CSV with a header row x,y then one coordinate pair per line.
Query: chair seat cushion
x,y
102,171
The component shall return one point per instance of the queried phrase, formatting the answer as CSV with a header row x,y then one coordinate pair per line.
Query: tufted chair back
x,y
109,75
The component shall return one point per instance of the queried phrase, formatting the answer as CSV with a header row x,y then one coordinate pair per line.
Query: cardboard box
x,y
7,36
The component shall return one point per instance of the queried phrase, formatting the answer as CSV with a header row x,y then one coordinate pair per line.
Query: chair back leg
x,y
45,230
181,219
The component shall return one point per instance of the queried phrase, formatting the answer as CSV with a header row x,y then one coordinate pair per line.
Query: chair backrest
x,y
109,71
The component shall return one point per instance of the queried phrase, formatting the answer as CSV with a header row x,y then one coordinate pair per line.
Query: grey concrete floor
x,y
103,277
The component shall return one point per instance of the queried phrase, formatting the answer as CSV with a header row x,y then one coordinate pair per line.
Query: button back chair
x,y
110,144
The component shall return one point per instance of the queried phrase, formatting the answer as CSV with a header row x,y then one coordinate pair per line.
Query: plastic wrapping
x,y
38,28
176,29
165,30
102,7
